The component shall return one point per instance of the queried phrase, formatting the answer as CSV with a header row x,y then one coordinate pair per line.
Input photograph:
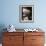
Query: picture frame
x,y
26,13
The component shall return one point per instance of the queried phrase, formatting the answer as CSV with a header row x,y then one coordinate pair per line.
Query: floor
x,y
1,45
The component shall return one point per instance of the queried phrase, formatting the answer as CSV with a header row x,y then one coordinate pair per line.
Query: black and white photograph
x,y
26,13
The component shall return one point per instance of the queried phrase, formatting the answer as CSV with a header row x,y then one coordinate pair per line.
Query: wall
x,y
9,13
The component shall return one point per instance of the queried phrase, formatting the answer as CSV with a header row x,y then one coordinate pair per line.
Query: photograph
x,y
26,13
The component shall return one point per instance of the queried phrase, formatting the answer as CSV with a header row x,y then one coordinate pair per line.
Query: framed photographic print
x,y
26,13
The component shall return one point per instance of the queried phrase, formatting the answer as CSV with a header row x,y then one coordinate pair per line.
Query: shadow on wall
x,y
2,26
